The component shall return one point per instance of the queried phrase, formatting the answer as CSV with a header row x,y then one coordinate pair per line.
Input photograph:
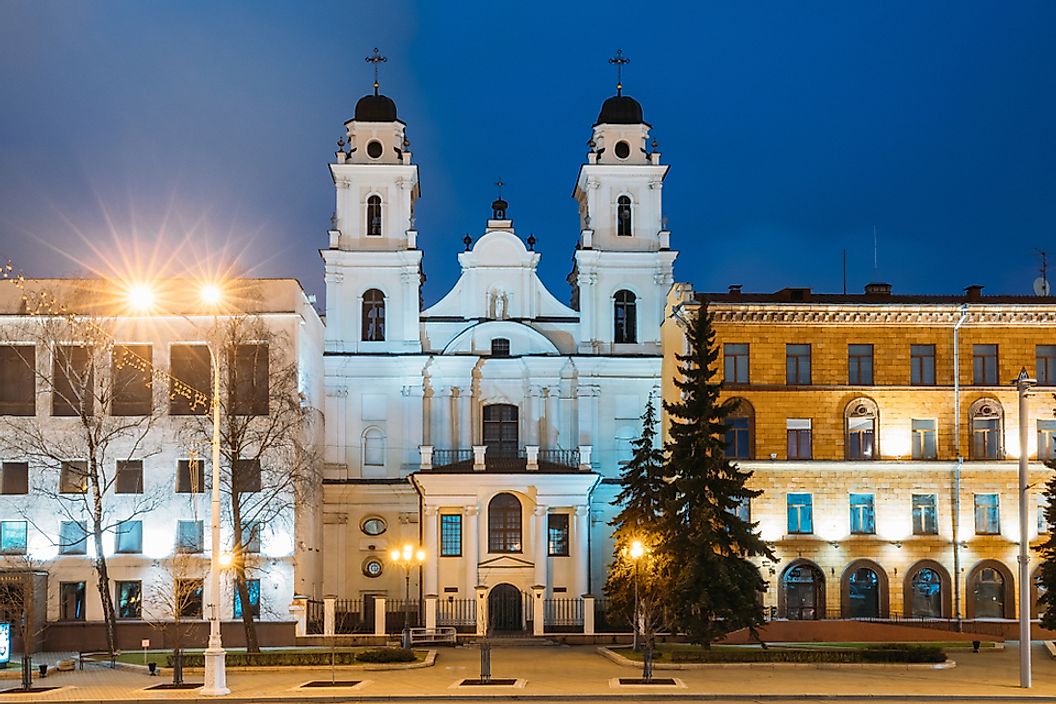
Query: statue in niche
x,y
498,305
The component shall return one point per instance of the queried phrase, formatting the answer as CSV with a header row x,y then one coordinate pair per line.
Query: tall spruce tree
x,y
1047,571
643,492
713,586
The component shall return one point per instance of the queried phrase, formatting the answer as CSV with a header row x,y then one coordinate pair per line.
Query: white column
x,y
535,404
454,411
548,433
427,415
465,420
539,533
582,553
471,555
379,616
430,611
432,552
440,407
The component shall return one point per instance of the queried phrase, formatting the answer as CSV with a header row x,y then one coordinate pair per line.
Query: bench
x,y
96,656
440,634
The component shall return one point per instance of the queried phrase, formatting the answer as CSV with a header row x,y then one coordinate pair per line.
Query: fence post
x,y
430,610
588,615
479,453
328,615
299,609
482,610
539,610
379,616
426,452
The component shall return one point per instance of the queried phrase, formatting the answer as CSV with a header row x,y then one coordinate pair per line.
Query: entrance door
x,y
804,595
863,594
504,610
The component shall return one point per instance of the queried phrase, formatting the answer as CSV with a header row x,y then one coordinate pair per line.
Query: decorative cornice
x,y
1033,315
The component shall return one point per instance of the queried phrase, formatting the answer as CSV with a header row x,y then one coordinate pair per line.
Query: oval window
x,y
372,567
374,149
373,526
622,149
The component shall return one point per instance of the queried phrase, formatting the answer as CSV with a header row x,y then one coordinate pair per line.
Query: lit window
x,y
71,601
129,599
73,477
129,537
13,535
863,518
925,520
253,588
924,443
557,534
450,535
800,513
73,538
189,537
987,514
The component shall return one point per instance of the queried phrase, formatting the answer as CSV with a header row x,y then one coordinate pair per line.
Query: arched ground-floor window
x,y
802,594
927,591
990,591
864,591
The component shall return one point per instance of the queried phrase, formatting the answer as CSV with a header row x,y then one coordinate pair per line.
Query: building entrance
x,y
505,613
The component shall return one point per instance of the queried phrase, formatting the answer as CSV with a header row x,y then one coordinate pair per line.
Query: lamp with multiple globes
x,y
407,558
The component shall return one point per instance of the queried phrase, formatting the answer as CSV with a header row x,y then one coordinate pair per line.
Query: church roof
x,y
620,110
375,108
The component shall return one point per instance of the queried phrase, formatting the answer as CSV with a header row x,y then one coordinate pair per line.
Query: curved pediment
x,y
524,339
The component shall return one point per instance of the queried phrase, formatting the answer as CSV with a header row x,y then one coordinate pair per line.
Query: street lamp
x,y
407,559
636,551
1023,385
140,298
215,657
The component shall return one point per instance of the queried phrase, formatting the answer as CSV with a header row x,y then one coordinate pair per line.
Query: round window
x,y
373,526
622,149
374,149
372,567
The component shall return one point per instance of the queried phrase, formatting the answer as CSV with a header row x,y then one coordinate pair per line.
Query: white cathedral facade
x,y
488,428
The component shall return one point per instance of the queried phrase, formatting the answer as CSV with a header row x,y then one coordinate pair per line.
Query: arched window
x,y
861,419
374,447
374,216
740,431
803,592
500,347
926,591
987,417
623,216
625,317
504,524
864,590
501,430
373,316
988,593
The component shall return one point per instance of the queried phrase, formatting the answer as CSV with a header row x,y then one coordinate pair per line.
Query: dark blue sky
x,y
198,132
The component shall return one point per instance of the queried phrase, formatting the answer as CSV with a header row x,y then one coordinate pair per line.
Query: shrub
x,y
887,653
383,655
273,659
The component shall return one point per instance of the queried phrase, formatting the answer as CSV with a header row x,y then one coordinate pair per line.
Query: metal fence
x,y
398,612
354,616
460,613
563,615
315,617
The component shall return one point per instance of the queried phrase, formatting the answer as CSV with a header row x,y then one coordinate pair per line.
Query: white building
x,y
156,469
487,428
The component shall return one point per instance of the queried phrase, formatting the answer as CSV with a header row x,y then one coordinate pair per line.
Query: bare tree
x,y
85,431
268,462
174,604
23,605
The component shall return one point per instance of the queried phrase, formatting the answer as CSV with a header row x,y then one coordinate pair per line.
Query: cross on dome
x,y
375,59
619,60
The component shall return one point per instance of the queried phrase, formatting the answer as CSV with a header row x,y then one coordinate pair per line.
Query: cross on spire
x,y
619,60
500,183
375,59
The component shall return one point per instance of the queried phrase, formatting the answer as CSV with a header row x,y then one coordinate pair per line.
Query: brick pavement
x,y
562,673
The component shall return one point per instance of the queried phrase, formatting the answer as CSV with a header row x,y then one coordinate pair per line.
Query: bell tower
x,y
373,264
623,262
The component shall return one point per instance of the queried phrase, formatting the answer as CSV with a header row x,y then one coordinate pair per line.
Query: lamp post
x,y
407,558
636,551
215,657
1023,385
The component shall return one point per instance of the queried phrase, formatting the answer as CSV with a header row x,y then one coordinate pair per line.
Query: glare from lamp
x,y
637,549
225,559
211,294
141,298
420,556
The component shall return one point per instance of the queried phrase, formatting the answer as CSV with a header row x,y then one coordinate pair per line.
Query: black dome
x,y
620,110
375,108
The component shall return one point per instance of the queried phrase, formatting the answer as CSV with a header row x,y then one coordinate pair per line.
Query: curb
x,y
627,662
428,661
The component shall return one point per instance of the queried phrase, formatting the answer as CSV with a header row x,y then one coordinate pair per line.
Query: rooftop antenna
x,y
375,59
1041,284
500,183
619,60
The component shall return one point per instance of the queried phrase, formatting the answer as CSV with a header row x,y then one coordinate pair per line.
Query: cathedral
x,y
489,428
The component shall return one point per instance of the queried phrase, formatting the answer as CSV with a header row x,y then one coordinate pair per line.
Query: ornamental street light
x,y
407,558
1023,385
215,657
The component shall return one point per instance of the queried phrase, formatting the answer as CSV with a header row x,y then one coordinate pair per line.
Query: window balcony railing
x,y
530,458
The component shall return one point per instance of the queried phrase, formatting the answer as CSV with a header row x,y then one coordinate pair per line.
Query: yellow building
x,y
871,455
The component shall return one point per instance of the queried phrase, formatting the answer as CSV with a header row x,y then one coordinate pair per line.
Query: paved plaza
x,y
562,673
